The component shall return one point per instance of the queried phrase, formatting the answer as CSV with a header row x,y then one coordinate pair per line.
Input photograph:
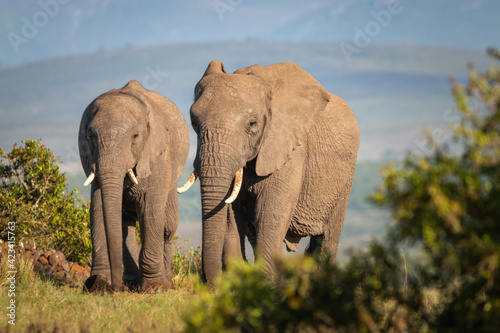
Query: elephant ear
x,y
157,140
296,99
83,144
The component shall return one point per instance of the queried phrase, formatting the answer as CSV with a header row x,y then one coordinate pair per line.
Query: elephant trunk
x,y
112,193
214,217
216,176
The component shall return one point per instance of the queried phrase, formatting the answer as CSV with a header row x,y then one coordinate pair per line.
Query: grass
x,y
44,304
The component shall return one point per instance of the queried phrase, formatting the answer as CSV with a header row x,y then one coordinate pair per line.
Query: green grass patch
x,y
44,304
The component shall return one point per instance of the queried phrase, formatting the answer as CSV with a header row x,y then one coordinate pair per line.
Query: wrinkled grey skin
x,y
139,129
298,145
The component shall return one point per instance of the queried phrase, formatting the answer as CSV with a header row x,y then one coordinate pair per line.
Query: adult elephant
x,y
297,144
134,142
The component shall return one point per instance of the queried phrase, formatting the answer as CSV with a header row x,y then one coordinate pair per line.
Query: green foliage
x,y
33,195
311,294
186,264
447,203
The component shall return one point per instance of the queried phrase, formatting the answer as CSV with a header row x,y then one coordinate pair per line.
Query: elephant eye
x,y
253,126
136,135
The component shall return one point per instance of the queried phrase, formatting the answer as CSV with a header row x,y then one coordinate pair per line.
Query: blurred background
x,y
389,59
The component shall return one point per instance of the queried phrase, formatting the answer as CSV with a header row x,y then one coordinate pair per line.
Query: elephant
x,y
133,146
286,146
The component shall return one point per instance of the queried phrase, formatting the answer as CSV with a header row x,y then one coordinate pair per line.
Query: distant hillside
x,y
392,89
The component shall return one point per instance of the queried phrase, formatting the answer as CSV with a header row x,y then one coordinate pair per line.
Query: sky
x,y
36,30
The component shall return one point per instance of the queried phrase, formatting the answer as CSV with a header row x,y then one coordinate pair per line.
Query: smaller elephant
x,y
133,146
286,146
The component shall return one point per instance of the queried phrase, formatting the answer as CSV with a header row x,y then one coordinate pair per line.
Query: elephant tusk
x,y
188,184
133,178
238,179
90,179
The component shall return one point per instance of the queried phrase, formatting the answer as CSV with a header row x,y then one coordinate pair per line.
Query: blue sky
x,y
37,30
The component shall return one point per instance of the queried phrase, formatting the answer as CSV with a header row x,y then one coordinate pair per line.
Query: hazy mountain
x,y
392,89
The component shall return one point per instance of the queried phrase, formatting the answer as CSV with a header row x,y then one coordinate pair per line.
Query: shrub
x,y
33,194
447,203
311,294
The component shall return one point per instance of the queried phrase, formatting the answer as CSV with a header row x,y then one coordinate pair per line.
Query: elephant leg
x,y
172,222
131,274
334,226
270,233
243,209
273,214
100,275
151,258
315,244
232,246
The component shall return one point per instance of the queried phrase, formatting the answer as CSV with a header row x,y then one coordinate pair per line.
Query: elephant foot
x,y
154,287
133,284
98,283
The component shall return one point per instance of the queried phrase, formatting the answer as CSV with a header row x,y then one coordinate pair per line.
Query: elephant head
x,y
118,136
259,114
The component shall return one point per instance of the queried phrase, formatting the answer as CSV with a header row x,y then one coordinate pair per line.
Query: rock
x,y
38,266
43,260
47,269
48,253
27,244
49,262
35,255
64,265
26,254
55,258
79,271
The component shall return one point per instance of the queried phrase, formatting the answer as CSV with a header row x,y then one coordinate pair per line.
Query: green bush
x,y
447,203
33,194
311,294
